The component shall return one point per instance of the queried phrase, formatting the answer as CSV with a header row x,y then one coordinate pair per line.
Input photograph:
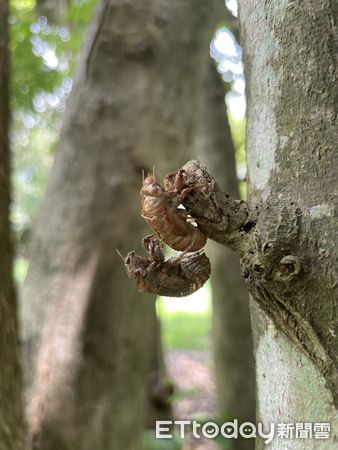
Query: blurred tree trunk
x,y
292,157
11,418
160,388
231,322
133,105
54,10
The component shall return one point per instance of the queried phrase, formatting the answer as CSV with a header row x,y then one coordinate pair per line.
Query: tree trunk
x,y
286,234
133,105
289,56
160,388
11,418
54,10
231,323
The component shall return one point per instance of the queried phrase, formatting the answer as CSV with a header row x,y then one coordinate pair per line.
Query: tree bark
x,y
11,417
231,323
133,105
286,234
54,10
289,56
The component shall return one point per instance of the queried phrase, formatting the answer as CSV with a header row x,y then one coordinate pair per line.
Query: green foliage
x,y
186,330
43,58
20,270
29,71
43,54
238,136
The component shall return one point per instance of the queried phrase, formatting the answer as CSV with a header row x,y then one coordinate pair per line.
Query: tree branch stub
x,y
223,219
275,252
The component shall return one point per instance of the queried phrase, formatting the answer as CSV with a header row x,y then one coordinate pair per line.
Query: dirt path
x,y
192,373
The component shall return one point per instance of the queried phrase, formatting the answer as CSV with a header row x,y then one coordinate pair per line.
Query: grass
x,y
188,331
186,322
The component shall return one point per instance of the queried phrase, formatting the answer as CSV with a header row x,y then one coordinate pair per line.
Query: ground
x,y
195,397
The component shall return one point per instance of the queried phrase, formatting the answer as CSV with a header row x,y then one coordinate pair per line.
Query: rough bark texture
x,y
286,234
282,258
232,338
133,105
11,419
279,257
289,54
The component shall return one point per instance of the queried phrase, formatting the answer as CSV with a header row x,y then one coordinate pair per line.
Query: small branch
x,y
221,218
224,220
275,256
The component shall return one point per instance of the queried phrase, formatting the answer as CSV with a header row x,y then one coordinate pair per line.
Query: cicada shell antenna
x,y
122,257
